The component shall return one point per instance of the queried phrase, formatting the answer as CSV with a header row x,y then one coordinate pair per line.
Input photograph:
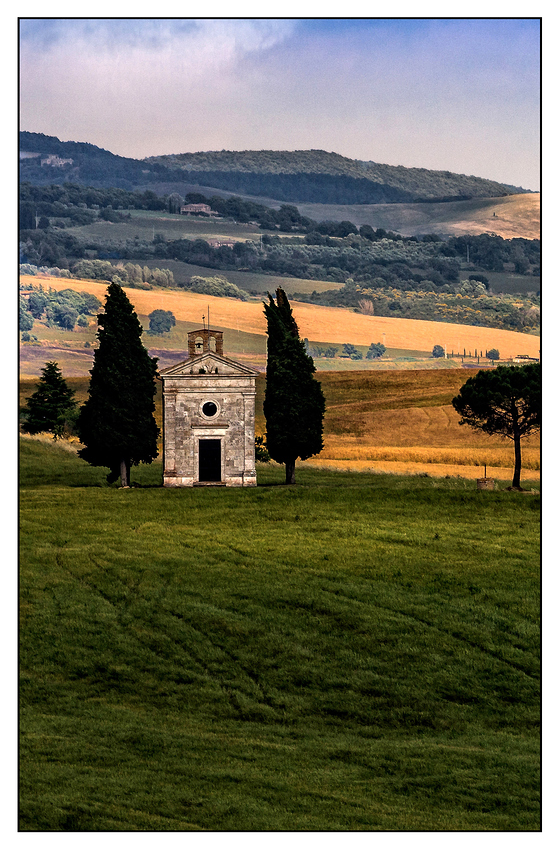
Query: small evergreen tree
x,y
52,406
438,351
116,424
294,403
493,354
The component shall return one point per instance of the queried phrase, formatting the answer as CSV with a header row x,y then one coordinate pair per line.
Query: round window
x,y
209,408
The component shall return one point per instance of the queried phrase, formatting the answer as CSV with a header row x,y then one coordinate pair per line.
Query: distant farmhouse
x,y
55,161
525,358
51,159
196,209
220,243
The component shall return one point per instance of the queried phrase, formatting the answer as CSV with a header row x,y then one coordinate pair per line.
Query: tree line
x,y
314,175
467,302
49,244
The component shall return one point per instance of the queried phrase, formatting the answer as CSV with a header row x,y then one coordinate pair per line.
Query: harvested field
x,y
331,324
433,470
510,217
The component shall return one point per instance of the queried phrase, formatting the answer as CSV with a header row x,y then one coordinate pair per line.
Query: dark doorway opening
x,y
210,460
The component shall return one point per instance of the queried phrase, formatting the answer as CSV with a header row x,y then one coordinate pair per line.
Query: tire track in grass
x,y
123,609
250,675
184,646
452,634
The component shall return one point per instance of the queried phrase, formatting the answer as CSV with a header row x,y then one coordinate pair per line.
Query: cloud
x,y
198,42
143,79
451,94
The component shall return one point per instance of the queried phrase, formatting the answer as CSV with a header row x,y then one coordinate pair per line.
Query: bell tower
x,y
205,340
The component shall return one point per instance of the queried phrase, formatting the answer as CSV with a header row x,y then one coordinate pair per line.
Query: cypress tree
x,y
116,423
52,405
294,403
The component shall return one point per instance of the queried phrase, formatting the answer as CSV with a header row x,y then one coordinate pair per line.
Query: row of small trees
x,y
491,354
117,425
375,350
129,274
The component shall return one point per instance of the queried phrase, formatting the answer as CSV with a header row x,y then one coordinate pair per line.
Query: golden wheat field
x,y
328,324
404,422
509,217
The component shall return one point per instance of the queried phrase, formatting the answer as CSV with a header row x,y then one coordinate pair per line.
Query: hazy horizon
x,y
459,95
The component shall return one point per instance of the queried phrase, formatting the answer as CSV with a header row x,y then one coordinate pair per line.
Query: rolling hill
x,y
294,176
511,216
320,176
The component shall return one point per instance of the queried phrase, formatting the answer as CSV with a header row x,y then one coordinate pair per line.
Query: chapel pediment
x,y
208,363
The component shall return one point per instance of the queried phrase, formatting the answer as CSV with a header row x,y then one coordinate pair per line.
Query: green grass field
x,y
357,652
144,224
252,282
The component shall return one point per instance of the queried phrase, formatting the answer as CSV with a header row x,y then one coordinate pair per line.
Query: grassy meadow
x,y
509,216
145,225
356,652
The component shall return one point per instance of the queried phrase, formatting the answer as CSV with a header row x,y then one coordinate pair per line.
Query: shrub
x,y
218,286
25,317
261,453
366,307
438,351
349,350
36,304
161,321
376,349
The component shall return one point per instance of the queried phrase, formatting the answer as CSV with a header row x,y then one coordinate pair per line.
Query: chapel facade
x,y
208,417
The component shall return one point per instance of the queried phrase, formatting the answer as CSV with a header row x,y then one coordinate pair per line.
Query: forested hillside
x,y
322,177
294,176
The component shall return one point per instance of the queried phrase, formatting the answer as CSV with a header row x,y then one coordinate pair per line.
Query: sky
x,y
461,95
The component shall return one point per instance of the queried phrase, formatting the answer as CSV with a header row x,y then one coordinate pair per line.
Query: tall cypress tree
x,y
294,403
51,405
116,423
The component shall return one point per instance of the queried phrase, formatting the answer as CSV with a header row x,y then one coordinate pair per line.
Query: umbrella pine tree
x,y
506,401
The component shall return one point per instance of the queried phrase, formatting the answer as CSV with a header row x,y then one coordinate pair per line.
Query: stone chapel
x,y
208,417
